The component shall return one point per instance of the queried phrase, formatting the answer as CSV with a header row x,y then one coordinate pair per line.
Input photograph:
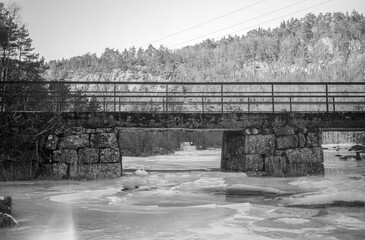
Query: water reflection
x,y
60,226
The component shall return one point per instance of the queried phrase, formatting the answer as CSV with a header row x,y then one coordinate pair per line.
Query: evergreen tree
x,y
19,63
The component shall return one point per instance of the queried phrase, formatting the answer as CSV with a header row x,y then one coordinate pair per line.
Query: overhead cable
x,y
204,23
234,25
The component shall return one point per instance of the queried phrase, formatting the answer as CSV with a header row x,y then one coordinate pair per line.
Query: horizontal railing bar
x,y
197,102
183,83
193,92
112,95
213,96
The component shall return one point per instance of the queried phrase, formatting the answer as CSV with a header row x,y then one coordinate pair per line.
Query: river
x,y
189,198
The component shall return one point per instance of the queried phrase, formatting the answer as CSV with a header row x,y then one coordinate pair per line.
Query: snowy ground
x,y
200,204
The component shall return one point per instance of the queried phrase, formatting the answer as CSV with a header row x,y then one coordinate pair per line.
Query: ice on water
x,y
194,205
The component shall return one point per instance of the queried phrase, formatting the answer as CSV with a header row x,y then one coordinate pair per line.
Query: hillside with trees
x,y
326,47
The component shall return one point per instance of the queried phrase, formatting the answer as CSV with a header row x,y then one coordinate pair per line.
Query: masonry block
x,y
260,144
110,170
103,140
74,141
99,171
285,142
276,166
305,155
87,171
110,155
88,155
284,130
279,153
301,139
60,171
235,164
313,140
254,162
68,156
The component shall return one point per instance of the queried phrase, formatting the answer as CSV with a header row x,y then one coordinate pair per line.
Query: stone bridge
x,y
276,144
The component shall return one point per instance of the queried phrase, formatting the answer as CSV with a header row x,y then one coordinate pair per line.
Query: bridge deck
x,y
208,121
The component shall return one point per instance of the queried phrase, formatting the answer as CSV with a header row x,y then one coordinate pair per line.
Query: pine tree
x,y
18,62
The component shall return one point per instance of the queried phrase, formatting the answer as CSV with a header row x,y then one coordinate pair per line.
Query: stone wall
x,y
83,153
276,151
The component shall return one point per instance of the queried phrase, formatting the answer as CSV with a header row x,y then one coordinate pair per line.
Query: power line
x,y
203,23
316,5
234,25
251,20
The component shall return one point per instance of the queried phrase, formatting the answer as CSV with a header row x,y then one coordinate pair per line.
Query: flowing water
x,y
200,204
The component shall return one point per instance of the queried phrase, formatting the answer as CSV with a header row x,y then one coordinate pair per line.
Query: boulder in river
x,y
6,220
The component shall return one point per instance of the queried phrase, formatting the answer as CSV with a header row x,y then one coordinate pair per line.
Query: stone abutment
x,y
83,153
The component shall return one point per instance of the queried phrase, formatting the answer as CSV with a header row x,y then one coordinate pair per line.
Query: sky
x,y
67,28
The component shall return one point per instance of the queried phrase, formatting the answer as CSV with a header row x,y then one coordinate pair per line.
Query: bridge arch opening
x,y
210,150
171,149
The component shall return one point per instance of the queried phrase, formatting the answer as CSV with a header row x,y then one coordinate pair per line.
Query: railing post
x,y
327,98
203,105
167,94
334,104
222,98
272,97
248,104
58,104
115,100
163,104
290,104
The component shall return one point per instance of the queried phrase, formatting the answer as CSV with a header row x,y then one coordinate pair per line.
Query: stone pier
x,y
277,151
83,153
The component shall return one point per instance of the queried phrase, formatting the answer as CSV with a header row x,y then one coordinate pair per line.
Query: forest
x,y
326,47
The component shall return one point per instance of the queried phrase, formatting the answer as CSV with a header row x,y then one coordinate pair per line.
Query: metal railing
x,y
204,97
